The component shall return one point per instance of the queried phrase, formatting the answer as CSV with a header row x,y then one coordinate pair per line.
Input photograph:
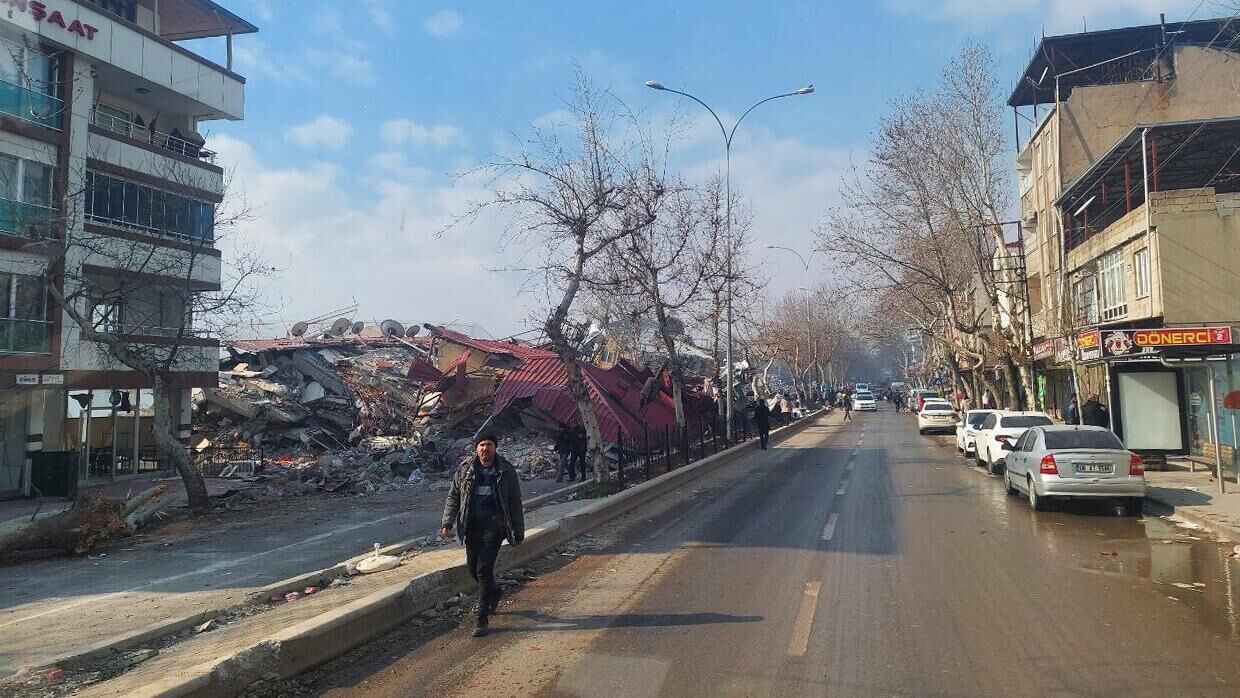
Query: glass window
x,y
6,295
9,185
29,298
977,418
108,315
130,213
990,421
1082,439
1025,420
1141,270
1111,276
36,183
1085,300
114,119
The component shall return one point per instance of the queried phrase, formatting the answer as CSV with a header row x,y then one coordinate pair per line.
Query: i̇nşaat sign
x,y
1129,342
41,13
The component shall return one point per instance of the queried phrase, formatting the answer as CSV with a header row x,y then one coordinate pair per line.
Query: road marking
x,y
843,487
851,464
799,643
829,530
854,453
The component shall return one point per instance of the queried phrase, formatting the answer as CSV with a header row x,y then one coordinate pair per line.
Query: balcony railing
x,y
25,336
26,220
170,142
29,105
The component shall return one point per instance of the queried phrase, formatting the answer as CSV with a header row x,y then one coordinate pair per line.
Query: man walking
x,y
847,410
563,450
1071,411
484,506
1094,413
578,444
762,420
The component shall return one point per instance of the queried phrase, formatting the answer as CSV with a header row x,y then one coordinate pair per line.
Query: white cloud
x,y
1058,16
262,9
327,22
402,131
324,132
443,23
380,16
252,58
345,65
384,250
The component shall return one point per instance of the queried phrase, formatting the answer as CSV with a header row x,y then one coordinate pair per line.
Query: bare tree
x,y
573,196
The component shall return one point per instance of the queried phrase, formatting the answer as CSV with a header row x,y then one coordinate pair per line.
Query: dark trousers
x,y
847,414
482,541
764,433
567,465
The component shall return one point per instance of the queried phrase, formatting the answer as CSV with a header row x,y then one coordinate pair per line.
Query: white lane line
x,y
843,487
828,531
799,643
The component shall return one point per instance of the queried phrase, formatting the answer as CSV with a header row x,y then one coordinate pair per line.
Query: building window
x,y
1141,270
1111,285
23,314
114,201
25,197
125,9
108,315
1085,300
113,119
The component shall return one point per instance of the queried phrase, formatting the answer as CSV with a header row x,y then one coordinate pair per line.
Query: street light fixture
x,y
727,178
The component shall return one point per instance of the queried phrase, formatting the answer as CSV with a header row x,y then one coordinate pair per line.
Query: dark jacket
x,y
762,414
1071,413
508,494
1094,414
564,441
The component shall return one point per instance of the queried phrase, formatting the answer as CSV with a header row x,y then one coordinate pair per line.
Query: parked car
x,y
1074,461
864,401
936,416
937,401
966,430
862,388
916,396
1003,426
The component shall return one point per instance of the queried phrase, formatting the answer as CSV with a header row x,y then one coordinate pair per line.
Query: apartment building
x,y
108,202
1128,189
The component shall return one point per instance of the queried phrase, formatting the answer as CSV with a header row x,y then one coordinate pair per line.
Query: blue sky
x,y
359,112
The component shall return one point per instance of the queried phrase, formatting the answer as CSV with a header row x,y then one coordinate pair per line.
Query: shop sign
x,y
1130,342
1089,345
27,379
53,379
1046,348
41,13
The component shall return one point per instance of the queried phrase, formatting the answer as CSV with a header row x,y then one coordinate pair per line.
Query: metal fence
x,y
226,461
659,451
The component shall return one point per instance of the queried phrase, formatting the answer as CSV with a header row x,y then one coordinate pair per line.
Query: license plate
x,y
1093,467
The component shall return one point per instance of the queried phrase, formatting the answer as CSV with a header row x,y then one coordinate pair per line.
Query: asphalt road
x,y
855,560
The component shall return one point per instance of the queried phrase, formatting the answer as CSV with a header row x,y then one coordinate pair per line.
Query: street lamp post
x,y
727,178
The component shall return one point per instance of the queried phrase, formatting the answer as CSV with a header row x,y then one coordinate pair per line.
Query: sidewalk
x,y
54,608
1194,497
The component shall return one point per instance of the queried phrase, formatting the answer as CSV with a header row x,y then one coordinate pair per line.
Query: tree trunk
x,y
171,448
1011,384
669,345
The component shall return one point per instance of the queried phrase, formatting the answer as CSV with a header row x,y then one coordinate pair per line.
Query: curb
x,y
330,634
1224,531
162,628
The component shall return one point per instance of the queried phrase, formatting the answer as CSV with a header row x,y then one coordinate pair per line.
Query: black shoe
x,y
481,628
495,597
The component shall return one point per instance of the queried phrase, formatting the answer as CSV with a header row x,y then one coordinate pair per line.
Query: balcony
x,y
30,106
25,336
26,220
174,143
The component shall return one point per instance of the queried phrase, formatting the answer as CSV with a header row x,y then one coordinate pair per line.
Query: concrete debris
x,y
204,627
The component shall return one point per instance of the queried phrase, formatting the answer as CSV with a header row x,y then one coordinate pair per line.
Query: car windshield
x,y
1025,420
976,419
938,408
1082,439
865,396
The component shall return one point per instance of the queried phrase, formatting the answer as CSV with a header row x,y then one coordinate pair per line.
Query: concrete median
x,y
293,650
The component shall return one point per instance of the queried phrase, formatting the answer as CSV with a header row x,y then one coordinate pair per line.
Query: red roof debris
x,y
490,346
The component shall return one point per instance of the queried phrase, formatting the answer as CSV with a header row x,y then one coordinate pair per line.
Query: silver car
x,y
1074,461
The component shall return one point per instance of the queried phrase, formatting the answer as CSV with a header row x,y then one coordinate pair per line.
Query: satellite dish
x,y
299,328
357,327
391,328
339,327
412,332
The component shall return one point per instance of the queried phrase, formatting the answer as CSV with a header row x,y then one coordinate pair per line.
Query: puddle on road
x,y
1188,565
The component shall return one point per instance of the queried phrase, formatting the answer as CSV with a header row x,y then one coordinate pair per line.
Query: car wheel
x,y
921,431
1134,506
990,468
1007,485
1035,502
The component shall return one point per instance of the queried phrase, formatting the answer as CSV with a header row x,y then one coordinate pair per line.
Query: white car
x,y
936,416
864,401
862,387
966,430
1003,426
934,401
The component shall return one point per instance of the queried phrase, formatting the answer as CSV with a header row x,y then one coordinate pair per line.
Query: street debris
x,y
377,562
204,627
